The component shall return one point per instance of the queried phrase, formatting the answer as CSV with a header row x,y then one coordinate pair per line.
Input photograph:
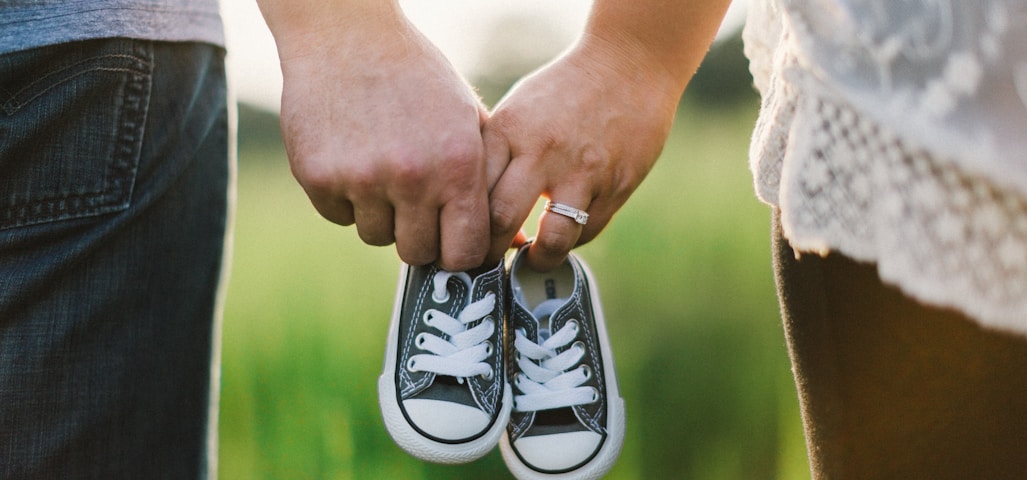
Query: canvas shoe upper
x,y
568,416
442,390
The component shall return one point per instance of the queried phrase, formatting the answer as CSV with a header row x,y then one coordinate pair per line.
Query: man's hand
x,y
381,131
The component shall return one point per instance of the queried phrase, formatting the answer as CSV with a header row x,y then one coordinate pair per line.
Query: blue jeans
x,y
114,179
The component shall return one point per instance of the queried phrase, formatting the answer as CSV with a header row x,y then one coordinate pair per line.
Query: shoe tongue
x,y
464,278
542,312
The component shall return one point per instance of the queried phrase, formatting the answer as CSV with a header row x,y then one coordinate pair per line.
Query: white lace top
x,y
895,132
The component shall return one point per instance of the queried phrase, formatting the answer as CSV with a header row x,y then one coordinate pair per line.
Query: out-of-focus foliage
x,y
723,80
517,46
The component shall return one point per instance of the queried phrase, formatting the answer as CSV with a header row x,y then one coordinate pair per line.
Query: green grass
x,y
685,274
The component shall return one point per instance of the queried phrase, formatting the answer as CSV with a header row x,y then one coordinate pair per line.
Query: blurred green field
x,y
684,270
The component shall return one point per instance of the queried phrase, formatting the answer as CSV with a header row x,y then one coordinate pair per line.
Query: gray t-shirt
x,y
27,24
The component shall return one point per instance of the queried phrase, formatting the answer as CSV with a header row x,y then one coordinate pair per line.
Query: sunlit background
x,y
684,270
461,29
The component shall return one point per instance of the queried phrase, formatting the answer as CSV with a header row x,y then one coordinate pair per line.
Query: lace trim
x,y
844,183
945,75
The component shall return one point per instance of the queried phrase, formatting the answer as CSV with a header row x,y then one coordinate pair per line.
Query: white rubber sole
x,y
405,436
607,456
595,469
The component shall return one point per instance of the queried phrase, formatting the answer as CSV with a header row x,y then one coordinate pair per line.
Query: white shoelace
x,y
464,354
544,379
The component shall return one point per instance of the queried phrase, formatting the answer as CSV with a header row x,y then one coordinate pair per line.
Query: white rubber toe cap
x,y
559,451
446,420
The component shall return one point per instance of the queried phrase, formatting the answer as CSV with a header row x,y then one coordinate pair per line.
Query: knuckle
x,y
359,183
452,167
594,160
326,180
462,164
503,220
314,175
408,172
463,151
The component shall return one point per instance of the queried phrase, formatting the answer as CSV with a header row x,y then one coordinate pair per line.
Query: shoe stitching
x,y
593,359
489,395
594,422
409,384
427,378
485,398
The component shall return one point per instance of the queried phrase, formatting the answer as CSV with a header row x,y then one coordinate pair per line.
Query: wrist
x,y
632,63
664,40
301,26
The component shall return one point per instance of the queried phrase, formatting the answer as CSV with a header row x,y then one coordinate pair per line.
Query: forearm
x,y
302,25
661,40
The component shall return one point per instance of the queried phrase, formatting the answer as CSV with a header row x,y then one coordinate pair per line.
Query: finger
x,y
520,239
599,215
510,203
497,155
497,158
335,211
375,224
483,117
417,234
557,233
464,232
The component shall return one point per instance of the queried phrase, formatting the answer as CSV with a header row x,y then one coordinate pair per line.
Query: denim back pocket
x,y
72,120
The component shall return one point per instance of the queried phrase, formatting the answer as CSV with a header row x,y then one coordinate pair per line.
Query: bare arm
x,y
381,131
586,129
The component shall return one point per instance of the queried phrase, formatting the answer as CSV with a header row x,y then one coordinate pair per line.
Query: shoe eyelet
x,y
435,298
573,323
587,372
412,365
489,349
595,395
427,316
487,376
420,340
580,346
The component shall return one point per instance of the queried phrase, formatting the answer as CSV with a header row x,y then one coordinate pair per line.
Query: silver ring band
x,y
568,211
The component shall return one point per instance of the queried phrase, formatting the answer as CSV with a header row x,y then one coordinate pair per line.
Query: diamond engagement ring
x,y
579,216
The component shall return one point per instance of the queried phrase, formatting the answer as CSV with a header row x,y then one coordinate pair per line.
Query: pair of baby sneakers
x,y
516,358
